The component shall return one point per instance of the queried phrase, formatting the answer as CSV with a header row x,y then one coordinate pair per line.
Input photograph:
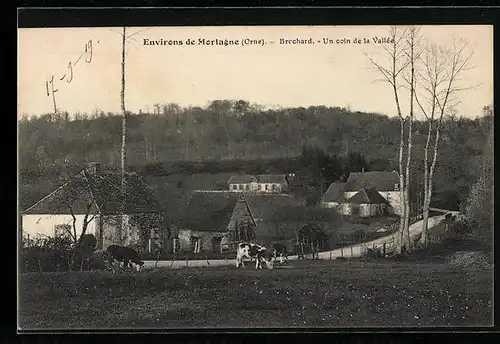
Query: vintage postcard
x,y
255,177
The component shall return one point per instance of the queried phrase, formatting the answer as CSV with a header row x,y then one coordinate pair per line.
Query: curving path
x,y
356,250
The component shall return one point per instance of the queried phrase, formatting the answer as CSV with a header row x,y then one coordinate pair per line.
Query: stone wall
x,y
131,236
207,240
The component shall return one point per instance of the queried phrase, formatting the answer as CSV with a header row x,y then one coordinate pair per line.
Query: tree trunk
x,y
407,184
412,43
425,205
433,166
124,141
399,241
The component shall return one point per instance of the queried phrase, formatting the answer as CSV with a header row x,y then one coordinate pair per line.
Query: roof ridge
x,y
53,192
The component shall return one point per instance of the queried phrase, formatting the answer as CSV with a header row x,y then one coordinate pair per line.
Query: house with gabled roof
x,y
334,195
217,220
92,200
365,194
365,203
263,183
212,220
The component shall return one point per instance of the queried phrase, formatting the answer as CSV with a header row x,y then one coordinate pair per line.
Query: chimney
x,y
93,167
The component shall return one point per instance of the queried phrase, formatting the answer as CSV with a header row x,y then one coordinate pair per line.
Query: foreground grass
x,y
310,294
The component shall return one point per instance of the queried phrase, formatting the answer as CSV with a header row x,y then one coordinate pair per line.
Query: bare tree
x,y
157,108
412,52
439,84
125,38
124,137
80,192
390,68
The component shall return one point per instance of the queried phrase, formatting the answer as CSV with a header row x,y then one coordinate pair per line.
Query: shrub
x,y
373,253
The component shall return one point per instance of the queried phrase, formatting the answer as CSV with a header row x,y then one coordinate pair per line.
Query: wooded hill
x,y
320,144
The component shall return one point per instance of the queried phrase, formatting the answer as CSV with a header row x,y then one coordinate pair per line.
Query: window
x,y
396,186
196,243
247,187
267,187
235,187
175,245
241,187
260,187
62,230
275,187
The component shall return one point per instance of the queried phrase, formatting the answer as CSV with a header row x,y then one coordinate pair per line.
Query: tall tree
x,y
443,67
390,67
124,138
413,55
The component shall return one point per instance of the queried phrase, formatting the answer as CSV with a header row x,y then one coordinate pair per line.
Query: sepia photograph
x,y
187,177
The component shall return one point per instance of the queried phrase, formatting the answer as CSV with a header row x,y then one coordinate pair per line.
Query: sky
x,y
273,74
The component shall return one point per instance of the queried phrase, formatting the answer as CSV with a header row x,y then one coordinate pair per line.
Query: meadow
x,y
308,294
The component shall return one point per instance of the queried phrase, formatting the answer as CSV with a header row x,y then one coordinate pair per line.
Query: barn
x,y
212,221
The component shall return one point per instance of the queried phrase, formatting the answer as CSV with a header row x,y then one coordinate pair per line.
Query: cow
x,y
253,251
280,249
126,255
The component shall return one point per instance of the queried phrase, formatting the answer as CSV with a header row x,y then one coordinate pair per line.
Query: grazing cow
x,y
280,249
253,251
126,255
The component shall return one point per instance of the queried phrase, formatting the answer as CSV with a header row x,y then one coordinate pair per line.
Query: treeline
x,y
228,136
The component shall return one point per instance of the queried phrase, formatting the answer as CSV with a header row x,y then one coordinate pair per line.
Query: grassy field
x,y
302,294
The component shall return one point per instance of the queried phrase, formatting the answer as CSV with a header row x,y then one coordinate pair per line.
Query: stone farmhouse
x,y
92,198
365,194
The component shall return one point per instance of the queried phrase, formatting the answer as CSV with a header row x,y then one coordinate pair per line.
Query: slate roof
x,y
168,194
261,178
241,179
173,191
209,211
264,206
334,193
380,180
272,178
104,188
367,196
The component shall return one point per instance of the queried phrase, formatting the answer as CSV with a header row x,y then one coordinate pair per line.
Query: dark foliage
x,y
320,144
54,254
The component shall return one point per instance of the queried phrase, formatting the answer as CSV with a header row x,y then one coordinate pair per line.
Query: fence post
x,y
39,265
352,255
157,258
342,251
173,260
187,260
330,255
206,257
384,249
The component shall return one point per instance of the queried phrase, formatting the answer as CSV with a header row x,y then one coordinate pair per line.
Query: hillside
x,y
229,136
